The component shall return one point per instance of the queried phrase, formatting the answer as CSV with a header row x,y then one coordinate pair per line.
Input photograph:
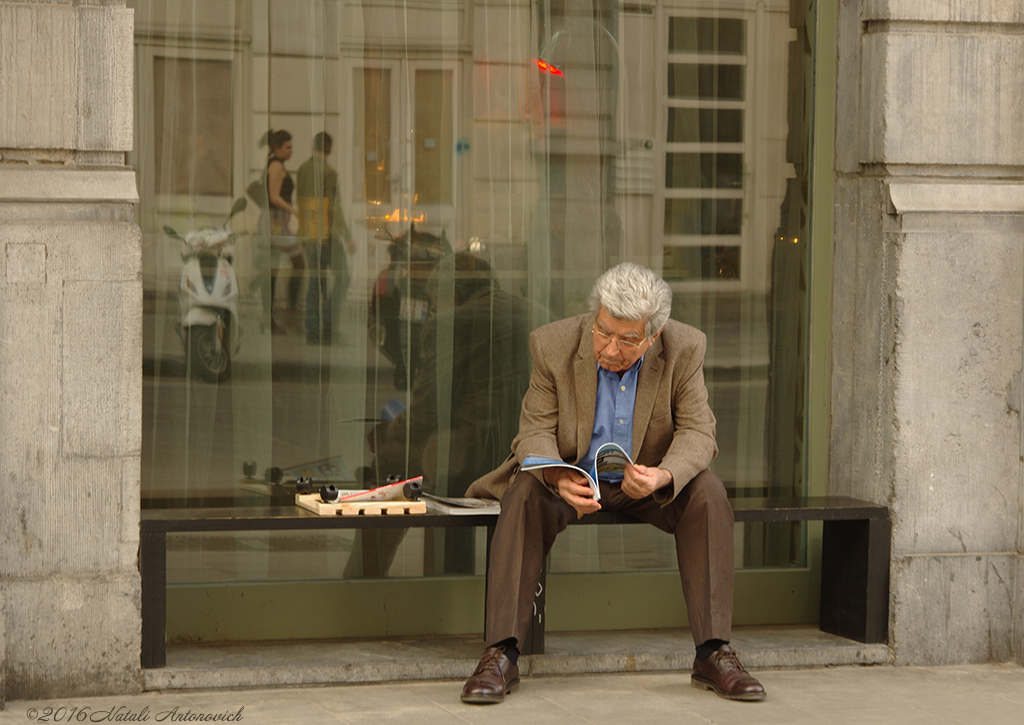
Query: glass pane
x,y
705,81
703,171
419,194
703,216
684,264
707,35
433,137
704,125
376,134
192,126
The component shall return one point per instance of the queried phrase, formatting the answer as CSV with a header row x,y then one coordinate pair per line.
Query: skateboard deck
x,y
312,502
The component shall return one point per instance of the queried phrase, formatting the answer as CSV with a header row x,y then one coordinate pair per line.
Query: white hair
x,y
631,292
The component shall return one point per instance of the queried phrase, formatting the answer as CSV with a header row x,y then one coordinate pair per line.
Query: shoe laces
x,y
729,659
491,660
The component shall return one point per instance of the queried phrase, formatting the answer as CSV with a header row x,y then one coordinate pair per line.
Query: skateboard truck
x,y
412,490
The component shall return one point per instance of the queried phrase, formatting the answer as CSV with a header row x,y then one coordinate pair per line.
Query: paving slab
x,y
844,695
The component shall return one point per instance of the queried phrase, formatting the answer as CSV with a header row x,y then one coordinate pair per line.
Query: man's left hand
x,y
639,481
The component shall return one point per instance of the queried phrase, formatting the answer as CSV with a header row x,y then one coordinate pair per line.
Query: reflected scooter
x,y
208,299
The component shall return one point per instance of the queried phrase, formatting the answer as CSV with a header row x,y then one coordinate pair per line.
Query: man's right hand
x,y
574,488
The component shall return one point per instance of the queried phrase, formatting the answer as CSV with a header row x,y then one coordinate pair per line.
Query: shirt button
x,y
623,388
621,421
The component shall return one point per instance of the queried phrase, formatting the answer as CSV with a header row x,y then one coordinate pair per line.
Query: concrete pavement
x,y
849,695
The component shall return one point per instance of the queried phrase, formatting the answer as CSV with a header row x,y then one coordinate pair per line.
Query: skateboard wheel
x,y
329,494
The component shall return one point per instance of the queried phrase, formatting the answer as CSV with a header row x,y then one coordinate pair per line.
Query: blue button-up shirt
x,y
613,414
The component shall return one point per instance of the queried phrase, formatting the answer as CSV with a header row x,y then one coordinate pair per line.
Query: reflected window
x,y
433,136
704,125
694,217
703,171
706,81
192,117
685,264
375,137
718,36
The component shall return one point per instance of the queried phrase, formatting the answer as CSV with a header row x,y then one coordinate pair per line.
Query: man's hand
x,y
639,481
574,488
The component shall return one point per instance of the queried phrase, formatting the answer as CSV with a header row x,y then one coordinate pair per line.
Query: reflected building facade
x,y
550,139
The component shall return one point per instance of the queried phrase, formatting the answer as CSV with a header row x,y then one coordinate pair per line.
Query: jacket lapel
x,y
647,387
585,373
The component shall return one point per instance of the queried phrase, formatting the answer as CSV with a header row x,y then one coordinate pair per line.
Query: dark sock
x,y
709,648
511,651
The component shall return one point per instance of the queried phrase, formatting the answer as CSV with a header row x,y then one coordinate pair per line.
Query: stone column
x,y
70,352
3,649
928,286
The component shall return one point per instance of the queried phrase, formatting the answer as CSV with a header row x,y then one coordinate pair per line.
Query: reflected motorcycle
x,y
208,300
400,301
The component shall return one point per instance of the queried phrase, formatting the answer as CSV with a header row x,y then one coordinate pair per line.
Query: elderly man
x,y
623,373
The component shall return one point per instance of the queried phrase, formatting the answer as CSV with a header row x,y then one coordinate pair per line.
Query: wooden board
x,y
312,502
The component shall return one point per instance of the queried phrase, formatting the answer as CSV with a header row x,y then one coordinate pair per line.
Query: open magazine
x,y
460,506
610,457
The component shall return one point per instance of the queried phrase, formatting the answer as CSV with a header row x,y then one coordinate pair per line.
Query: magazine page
x,y
536,463
461,506
611,457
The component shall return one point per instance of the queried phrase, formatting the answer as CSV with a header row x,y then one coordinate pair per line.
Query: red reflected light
x,y
550,68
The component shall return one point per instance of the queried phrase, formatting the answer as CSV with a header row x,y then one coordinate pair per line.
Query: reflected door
x,y
403,142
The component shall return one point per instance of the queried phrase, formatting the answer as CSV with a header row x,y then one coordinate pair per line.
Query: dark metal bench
x,y
854,599
855,555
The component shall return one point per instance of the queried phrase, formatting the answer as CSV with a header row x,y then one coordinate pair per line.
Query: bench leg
x,y
855,579
153,570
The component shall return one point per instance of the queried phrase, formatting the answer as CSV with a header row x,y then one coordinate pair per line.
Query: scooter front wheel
x,y
209,356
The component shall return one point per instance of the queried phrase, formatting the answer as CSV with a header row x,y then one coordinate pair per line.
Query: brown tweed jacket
x,y
673,426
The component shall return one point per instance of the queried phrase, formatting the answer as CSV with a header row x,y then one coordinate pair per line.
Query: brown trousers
x,y
700,518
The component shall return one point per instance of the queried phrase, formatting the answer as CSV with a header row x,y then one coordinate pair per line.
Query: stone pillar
x,y
3,649
928,286
70,353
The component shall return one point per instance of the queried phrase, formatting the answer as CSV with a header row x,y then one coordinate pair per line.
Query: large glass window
x,y
353,213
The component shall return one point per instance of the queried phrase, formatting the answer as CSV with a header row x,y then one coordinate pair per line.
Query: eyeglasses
x,y
605,338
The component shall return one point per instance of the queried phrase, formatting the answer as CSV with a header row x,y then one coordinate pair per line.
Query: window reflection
x,y
705,80
192,117
457,151
726,36
706,125
376,140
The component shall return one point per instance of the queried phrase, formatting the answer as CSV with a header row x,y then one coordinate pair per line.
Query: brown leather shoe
x,y
494,678
723,673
